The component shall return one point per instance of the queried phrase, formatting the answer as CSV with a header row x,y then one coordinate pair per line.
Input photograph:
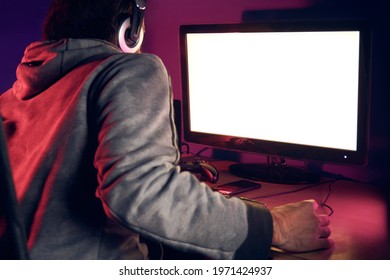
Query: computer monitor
x,y
297,89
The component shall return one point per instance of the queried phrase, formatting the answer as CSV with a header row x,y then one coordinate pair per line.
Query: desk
x,y
359,223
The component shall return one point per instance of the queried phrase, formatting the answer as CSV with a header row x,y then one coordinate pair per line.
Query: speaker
x,y
131,32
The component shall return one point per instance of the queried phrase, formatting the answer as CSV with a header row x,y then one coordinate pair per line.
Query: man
x,y
93,152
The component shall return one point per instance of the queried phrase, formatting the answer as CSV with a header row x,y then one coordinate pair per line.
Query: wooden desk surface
x,y
359,223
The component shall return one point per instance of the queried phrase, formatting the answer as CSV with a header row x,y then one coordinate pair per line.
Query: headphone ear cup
x,y
125,43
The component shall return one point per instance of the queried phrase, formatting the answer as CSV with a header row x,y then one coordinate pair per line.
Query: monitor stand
x,y
279,173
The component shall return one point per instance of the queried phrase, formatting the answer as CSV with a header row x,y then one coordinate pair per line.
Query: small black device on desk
x,y
236,187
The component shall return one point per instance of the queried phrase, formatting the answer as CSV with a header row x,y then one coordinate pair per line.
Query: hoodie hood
x,y
44,63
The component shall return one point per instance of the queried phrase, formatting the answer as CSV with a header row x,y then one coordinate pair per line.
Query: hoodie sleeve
x,y
140,184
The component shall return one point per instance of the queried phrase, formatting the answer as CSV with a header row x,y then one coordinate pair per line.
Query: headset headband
x,y
139,7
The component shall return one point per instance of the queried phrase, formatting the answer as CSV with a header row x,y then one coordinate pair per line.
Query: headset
x,y
131,31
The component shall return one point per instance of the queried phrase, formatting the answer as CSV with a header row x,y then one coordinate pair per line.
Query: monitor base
x,y
274,174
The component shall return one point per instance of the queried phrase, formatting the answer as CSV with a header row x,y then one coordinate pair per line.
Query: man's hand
x,y
299,228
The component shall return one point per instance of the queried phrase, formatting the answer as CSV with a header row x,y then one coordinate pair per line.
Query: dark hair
x,y
97,19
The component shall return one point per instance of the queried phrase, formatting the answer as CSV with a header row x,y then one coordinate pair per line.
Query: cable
x,y
323,203
187,146
293,191
202,150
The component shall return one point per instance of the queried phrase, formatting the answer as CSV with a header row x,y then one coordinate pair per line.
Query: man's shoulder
x,y
125,60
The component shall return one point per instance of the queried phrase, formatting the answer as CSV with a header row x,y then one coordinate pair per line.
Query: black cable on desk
x,y
323,203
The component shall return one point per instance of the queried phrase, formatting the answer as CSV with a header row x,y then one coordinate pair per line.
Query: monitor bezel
x,y
280,149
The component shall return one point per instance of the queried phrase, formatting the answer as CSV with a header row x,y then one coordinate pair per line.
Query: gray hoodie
x,y
93,152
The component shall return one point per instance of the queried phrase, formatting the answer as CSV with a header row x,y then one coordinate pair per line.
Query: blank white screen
x,y
293,87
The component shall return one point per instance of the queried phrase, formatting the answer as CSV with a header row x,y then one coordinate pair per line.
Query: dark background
x,y
21,22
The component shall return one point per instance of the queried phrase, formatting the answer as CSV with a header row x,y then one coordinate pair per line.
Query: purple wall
x,y
20,24
21,21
